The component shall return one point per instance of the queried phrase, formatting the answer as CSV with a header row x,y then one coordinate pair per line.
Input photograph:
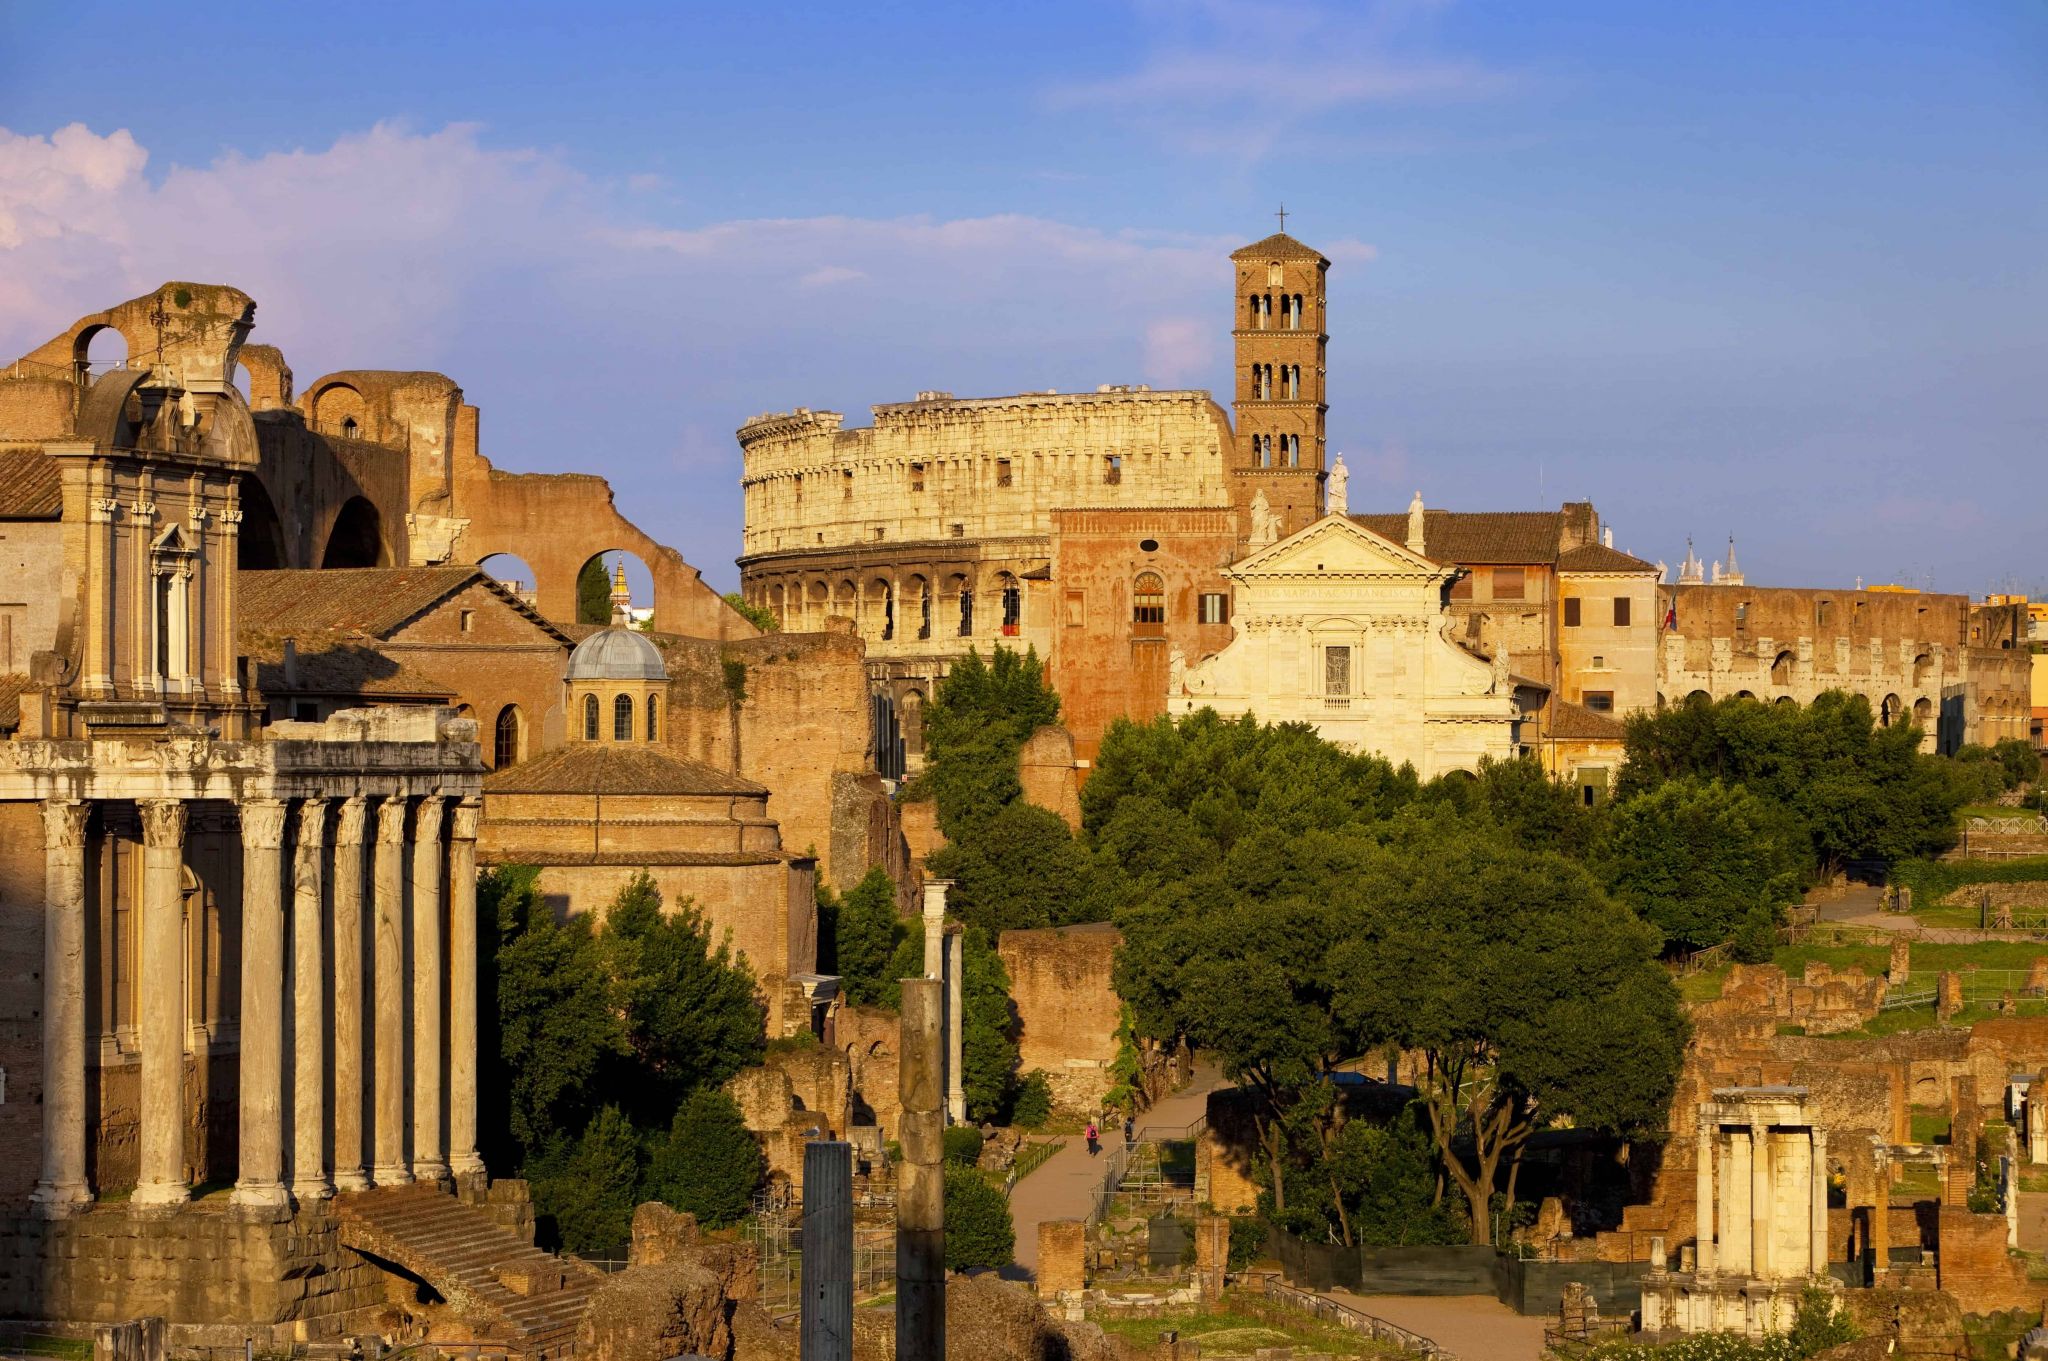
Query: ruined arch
x,y
1923,713
1888,712
260,545
1699,697
99,349
881,609
639,585
357,538
1781,669
339,409
1923,670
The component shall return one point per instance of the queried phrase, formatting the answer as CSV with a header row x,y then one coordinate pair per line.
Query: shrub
x,y
1033,1105
978,1228
963,1145
1247,1241
1756,940
710,1163
760,616
588,1190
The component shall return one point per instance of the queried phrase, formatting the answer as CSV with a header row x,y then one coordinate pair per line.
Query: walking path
x,y
1472,1327
1063,1187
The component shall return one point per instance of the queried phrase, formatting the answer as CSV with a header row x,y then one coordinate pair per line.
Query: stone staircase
x,y
503,1288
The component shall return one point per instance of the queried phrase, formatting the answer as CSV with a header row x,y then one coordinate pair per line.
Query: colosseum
x,y
1093,527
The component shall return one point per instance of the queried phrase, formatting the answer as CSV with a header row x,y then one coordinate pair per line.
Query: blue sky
x,y
1753,268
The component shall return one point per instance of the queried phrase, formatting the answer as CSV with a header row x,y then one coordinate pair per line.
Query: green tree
x,y
988,1029
963,1145
1819,1323
2022,763
594,593
760,616
1385,1175
1695,857
1537,812
556,1020
588,1188
1532,996
1857,789
974,729
866,928
1032,1106
710,1163
1020,868
692,1013
979,1232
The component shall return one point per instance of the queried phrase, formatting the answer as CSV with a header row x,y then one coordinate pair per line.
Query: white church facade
x,y
1348,631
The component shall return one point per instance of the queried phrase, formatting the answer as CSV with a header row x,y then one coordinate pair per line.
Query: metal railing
x,y
1352,1320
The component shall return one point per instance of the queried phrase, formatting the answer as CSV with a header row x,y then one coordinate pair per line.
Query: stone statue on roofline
x,y
1500,668
1265,524
1337,490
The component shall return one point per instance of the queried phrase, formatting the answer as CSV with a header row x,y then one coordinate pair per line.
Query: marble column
x,y
259,1184
935,927
309,1009
462,965
1819,1260
1759,1201
429,1146
348,996
956,1091
388,951
1703,1209
161,1183
62,1187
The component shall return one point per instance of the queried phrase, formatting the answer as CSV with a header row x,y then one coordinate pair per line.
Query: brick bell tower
x,y
1280,330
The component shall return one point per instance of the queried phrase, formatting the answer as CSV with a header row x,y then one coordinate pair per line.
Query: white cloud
x,y
826,275
1238,79
1178,350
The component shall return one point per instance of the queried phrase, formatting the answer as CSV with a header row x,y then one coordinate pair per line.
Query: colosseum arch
x,y
1923,713
880,603
776,607
1888,712
846,600
99,349
1781,669
959,597
357,538
1923,670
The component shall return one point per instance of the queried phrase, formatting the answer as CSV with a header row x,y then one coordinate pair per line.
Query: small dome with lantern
x,y
617,653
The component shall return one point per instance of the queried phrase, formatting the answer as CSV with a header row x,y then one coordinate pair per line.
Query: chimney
x,y
1416,538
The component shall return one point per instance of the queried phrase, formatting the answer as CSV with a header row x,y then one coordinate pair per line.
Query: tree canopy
x,y
1695,857
975,727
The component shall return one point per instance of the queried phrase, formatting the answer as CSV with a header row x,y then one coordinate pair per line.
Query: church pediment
x,y
1336,545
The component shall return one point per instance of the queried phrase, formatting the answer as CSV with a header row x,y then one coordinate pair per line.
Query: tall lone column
x,y
1818,1263
348,996
1759,1201
429,1146
388,947
956,1090
161,1183
920,1183
462,965
1703,1209
825,1329
259,1184
309,1012
935,926
62,1188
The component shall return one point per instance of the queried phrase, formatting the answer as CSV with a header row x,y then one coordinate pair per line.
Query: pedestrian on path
x,y
1094,1147
1130,1132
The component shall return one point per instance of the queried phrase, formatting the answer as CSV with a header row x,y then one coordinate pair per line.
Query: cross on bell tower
x,y
1278,392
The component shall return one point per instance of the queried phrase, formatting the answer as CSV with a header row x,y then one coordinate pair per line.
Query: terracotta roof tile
x,y
12,685
1596,557
29,486
615,768
1575,722
376,601
1477,536
1278,246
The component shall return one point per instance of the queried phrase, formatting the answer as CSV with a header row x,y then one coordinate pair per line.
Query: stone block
x,y
141,1339
1062,1256
1949,995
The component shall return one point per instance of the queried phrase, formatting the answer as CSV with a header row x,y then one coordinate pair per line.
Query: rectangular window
x,y
305,711
1621,611
1507,583
1820,613
846,485
1600,701
1002,472
1571,612
468,618
1215,607
917,477
1112,470
959,531
1076,611
876,534
1336,671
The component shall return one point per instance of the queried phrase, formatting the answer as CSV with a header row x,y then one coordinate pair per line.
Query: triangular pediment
x,y
1336,544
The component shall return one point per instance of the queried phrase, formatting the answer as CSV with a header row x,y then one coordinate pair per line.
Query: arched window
x,y
622,718
967,611
1290,447
653,724
590,718
505,746
1781,669
1148,606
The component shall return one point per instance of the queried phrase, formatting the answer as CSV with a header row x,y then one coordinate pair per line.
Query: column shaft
x,y
62,1187
309,1010
463,930
260,1182
1759,1201
348,997
429,1146
160,966
1820,1201
1703,1212
920,1184
388,948
956,1091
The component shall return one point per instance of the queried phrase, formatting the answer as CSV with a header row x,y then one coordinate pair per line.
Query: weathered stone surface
x,y
1067,1008
1062,1256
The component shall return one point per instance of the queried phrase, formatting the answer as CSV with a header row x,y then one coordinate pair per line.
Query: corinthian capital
x,y
163,822
263,823
64,824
